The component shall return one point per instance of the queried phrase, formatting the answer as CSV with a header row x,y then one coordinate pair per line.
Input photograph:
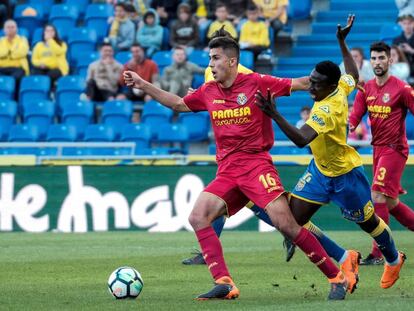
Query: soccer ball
x,y
125,282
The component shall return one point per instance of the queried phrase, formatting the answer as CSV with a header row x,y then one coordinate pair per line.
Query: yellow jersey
x,y
51,55
329,118
208,76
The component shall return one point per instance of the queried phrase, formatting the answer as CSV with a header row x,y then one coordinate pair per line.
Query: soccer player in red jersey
x,y
244,136
387,100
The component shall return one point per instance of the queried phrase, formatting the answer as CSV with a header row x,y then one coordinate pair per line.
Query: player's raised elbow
x,y
179,106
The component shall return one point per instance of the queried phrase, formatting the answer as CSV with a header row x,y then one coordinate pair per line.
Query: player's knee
x,y
196,218
378,197
391,203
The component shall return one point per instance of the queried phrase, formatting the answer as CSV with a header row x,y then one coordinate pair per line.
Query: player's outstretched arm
x,y
300,84
301,137
170,100
341,34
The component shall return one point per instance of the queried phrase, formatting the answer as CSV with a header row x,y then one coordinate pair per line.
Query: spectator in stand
x,y
221,20
237,9
405,41
49,55
405,7
203,9
13,53
274,13
150,33
103,76
304,116
166,9
254,34
399,65
122,32
364,66
177,78
361,133
146,68
184,31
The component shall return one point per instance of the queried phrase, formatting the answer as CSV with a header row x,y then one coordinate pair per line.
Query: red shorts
x,y
388,167
244,178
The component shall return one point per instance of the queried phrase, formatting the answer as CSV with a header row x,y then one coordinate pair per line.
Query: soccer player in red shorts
x,y
387,100
244,136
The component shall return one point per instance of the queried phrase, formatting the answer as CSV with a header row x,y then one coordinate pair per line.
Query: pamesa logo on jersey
x,y
241,99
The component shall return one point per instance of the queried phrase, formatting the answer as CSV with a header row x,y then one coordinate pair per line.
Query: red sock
x,y
212,252
307,242
404,215
381,210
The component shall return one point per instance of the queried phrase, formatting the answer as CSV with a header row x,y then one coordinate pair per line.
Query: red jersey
x,y
387,107
238,124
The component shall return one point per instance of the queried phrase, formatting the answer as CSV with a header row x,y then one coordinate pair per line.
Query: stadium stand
x,y
83,24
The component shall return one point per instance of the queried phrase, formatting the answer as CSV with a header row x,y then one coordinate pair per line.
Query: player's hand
x,y
266,104
190,91
132,79
341,33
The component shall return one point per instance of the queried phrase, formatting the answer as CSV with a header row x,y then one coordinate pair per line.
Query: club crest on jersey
x,y
241,99
386,98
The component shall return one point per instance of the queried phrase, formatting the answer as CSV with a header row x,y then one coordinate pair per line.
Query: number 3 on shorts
x,y
381,173
267,181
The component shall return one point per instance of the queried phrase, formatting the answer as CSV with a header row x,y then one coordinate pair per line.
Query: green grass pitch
x,y
55,271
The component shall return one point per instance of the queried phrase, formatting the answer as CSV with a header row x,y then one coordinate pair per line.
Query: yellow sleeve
x,y
4,51
21,50
57,49
264,35
347,83
320,120
36,55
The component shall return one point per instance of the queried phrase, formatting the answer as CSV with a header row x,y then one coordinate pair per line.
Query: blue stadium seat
x,y
138,133
23,17
37,36
61,132
99,133
299,9
8,112
154,114
123,56
7,87
365,150
174,134
389,31
64,17
96,18
212,148
81,40
247,59
315,51
34,88
39,113
369,15
287,73
279,135
289,150
198,80
197,124
117,113
83,61
157,151
322,40
302,63
80,4
358,5
78,115
23,132
69,89
358,27
409,121
162,59
46,5
200,58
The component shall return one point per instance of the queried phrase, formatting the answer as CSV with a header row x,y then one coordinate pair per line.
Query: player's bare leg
x,y
207,208
281,216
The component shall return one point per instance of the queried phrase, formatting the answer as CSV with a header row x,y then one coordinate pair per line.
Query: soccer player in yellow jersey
x,y
336,172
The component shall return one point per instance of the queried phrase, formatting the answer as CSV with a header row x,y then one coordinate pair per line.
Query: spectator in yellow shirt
x,y
274,12
254,34
222,20
13,53
49,55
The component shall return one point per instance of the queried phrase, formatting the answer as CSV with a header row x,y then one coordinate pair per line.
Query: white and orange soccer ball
x,y
125,282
